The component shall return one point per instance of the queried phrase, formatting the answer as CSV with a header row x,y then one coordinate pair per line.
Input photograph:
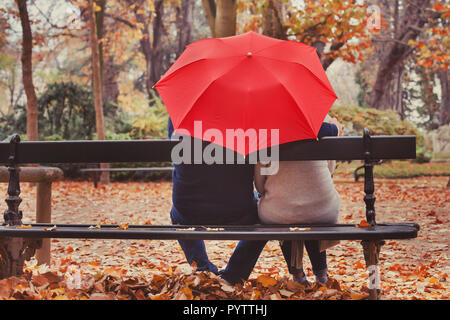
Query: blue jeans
x,y
195,250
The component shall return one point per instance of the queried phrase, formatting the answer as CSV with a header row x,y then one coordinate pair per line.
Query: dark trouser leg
x,y
194,250
294,267
318,259
243,260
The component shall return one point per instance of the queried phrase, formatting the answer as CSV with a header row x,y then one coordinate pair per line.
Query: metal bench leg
x,y
356,173
371,256
14,251
371,247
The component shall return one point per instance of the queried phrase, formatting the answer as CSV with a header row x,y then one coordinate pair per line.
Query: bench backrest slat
x,y
93,151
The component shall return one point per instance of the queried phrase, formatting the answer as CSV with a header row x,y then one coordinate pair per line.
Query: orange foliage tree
x,y
432,49
431,52
335,28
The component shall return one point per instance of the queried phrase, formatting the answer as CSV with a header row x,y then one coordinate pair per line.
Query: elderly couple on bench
x,y
300,192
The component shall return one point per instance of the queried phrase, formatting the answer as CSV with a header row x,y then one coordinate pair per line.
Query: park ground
x,y
152,269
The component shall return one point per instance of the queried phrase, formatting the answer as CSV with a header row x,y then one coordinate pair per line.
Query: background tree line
x,y
64,64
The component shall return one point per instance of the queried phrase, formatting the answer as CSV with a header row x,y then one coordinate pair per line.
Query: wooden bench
x,y
44,177
95,172
18,244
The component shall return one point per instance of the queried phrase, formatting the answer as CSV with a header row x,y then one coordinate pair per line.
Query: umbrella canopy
x,y
247,82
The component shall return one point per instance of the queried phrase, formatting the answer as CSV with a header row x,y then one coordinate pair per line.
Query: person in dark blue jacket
x,y
219,194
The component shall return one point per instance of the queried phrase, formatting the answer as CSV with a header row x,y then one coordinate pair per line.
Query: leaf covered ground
x,y
153,269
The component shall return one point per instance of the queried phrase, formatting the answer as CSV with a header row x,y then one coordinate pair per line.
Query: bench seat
x,y
154,169
253,232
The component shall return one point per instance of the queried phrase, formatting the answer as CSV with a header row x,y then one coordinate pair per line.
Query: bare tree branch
x,y
121,20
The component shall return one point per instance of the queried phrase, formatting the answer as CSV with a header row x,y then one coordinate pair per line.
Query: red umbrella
x,y
248,82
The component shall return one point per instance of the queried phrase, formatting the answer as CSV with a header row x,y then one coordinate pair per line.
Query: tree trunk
x,y
98,100
27,72
110,86
152,50
209,7
145,44
157,69
426,81
445,103
221,17
396,51
99,18
225,24
108,71
397,91
272,20
184,21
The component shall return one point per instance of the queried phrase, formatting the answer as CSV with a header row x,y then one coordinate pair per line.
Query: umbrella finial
x,y
249,54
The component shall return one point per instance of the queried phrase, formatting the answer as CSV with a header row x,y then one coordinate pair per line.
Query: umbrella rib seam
x,y
290,94
207,87
301,64
173,73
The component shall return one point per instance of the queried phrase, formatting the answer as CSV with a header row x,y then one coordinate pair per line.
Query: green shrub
x,y
53,137
379,122
66,110
150,121
14,123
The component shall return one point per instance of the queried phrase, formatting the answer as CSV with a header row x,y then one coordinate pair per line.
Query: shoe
x,y
323,279
210,267
301,280
321,276
228,281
